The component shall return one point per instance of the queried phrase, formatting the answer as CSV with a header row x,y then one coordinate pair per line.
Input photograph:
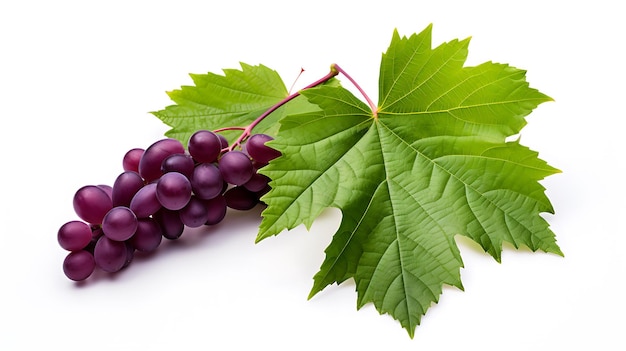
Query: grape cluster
x,y
162,190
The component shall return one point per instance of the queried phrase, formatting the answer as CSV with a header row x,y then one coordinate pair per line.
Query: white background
x,y
78,80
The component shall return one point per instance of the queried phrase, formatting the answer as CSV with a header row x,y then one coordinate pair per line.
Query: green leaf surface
x,y
432,162
234,99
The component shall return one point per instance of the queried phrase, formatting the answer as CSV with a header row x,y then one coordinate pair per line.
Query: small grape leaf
x,y
234,99
431,162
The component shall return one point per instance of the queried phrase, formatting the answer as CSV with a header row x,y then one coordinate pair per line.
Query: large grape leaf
x,y
233,99
431,162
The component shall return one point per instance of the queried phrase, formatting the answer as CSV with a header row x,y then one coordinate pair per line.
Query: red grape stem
x,y
371,103
334,71
228,128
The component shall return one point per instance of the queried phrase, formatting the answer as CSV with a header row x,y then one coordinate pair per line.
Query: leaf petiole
x,y
356,85
228,128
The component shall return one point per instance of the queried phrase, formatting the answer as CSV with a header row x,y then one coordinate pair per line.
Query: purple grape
x,y
79,265
126,185
91,203
257,183
223,141
258,151
107,189
173,190
216,209
148,236
240,198
207,181
181,163
204,146
152,159
119,224
194,214
145,202
236,167
170,223
130,162
74,235
110,255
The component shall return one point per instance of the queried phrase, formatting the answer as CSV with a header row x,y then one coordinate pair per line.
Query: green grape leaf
x,y
432,161
234,99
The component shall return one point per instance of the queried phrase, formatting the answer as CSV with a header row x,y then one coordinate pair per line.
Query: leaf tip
x,y
316,288
260,237
262,234
171,93
555,249
312,293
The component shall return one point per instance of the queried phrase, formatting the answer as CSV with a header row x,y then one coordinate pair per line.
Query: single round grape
x,y
236,167
204,146
74,235
194,214
110,255
119,224
91,203
206,181
130,162
126,185
216,209
170,223
145,202
181,163
240,198
257,183
148,236
152,159
258,151
79,265
173,191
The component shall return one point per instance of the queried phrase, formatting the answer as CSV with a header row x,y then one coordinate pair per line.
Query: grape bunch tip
x,y
161,190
